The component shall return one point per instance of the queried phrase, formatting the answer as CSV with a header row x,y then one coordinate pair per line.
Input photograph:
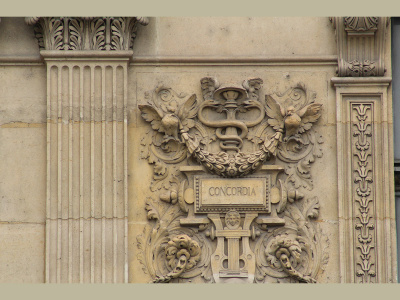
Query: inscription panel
x,y
215,194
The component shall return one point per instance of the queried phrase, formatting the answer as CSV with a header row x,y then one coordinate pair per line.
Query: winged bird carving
x,y
171,122
291,121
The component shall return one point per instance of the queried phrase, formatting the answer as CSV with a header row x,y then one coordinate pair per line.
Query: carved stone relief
x,y
85,33
365,186
231,176
360,42
364,192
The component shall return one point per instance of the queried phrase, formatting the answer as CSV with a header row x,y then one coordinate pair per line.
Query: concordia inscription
x,y
231,191
245,194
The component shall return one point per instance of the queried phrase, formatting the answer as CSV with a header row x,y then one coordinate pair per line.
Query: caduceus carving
x,y
231,100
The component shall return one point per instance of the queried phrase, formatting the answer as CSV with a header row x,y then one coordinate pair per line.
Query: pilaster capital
x,y
86,33
361,45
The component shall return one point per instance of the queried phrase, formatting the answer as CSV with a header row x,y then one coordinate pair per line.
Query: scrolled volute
x,y
182,254
284,252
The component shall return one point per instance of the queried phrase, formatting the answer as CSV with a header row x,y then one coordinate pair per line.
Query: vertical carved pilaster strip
x,y
86,235
363,191
59,172
114,167
92,179
125,167
87,202
71,188
48,174
81,214
365,181
103,174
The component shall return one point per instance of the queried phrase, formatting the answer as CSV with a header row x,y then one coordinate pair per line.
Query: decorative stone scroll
x,y
85,33
361,45
232,176
365,185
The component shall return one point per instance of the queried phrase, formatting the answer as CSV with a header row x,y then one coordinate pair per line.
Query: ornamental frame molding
x,y
367,232
361,45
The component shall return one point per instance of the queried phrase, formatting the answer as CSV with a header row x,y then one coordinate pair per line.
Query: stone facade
x,y
243,150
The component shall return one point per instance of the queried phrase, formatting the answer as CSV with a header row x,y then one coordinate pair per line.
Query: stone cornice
x,y
361,45
86,33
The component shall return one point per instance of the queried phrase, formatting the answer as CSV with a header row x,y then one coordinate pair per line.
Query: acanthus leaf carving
x,y
85,33
311,208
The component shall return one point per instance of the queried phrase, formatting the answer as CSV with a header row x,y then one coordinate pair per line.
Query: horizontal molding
x,y
7,59
86,54
176,60
18,124
87,219
336,81
245,60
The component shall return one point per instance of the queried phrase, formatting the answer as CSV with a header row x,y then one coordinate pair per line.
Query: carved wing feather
x,y
310,110
153,116
187,112
309,114
188,109
275,112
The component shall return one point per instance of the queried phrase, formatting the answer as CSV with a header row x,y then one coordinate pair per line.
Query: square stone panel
x,y
23,174
22,249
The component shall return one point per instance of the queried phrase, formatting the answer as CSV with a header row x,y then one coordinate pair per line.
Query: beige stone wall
x,y
22,155
175,52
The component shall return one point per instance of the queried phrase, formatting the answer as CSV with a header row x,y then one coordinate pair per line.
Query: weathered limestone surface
x,y
238,36
22,155
76,177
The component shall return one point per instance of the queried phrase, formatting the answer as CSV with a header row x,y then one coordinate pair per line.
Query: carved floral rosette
x,y
233,132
